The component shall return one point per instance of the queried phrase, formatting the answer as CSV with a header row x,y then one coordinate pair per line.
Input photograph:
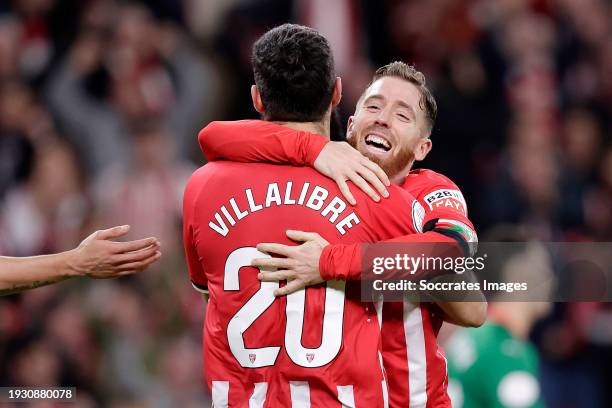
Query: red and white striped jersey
x,y
414,362
318,347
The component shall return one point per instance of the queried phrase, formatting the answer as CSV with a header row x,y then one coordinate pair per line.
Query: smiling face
x,y
390,126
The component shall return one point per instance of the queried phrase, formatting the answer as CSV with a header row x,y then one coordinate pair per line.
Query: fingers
x,y
344,189
373,179
137,256
359,162
279,249
301,236
271,263
124,273
274,276
114,232
138,266
380,173
341,162
364,186
131,246
290,287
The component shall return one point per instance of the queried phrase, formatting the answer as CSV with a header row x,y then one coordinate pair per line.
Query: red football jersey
x,y
413,360
318,347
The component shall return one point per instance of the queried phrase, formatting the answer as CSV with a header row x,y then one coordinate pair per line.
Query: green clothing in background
x,y
488,367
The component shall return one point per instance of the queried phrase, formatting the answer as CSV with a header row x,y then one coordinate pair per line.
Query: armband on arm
x,y
457,227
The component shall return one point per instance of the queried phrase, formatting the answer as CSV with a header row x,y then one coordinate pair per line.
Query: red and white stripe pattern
x,y
300,395
414,363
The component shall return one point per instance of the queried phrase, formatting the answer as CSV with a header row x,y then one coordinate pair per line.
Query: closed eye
x,y
404,117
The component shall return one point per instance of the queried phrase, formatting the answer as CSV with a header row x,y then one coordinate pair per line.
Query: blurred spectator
x,y
598,201
9,44
16,149
339,22
253,18
38,364
148,188
581,144
182,372
46,213
148,70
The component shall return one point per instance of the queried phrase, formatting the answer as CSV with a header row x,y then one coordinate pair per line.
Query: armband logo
x,y
445,199
252,358
310,357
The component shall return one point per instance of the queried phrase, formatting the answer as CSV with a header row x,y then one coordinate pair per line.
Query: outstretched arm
x,y
96,257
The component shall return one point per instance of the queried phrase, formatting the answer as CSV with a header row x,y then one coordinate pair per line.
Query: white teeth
x,y
378,140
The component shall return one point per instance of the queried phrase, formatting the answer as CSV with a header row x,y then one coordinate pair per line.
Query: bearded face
x,y
389,126
375,146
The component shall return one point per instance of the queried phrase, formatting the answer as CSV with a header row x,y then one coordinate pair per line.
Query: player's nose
x,y
382,119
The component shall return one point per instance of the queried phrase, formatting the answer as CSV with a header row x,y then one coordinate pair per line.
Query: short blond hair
x,y
409,73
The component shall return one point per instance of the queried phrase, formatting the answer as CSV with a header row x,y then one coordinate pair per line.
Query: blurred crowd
x,y
101,100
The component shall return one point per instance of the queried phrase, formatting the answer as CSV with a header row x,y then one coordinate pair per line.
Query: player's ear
x,y
349,127
422,149
256,98
337,94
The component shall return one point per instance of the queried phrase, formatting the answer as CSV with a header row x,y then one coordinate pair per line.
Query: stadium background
x,y
100,101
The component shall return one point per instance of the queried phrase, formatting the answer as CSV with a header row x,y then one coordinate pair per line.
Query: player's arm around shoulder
x,y
219,139
258,141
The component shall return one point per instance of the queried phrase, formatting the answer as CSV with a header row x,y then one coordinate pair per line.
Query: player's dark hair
x,y
294,71
401,70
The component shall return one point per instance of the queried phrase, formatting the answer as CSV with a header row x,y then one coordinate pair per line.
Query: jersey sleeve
x,y
194,263
344,261
445,207
259,141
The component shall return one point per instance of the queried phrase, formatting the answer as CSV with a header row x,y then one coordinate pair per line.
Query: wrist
x,y
70,263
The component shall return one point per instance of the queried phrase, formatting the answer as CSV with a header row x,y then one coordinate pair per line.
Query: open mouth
x,y
378,142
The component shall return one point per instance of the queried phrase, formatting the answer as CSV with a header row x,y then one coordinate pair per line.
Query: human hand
x,y
101,258
300,267
340,162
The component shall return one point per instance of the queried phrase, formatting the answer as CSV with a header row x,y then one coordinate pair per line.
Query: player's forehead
x,y
395,91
